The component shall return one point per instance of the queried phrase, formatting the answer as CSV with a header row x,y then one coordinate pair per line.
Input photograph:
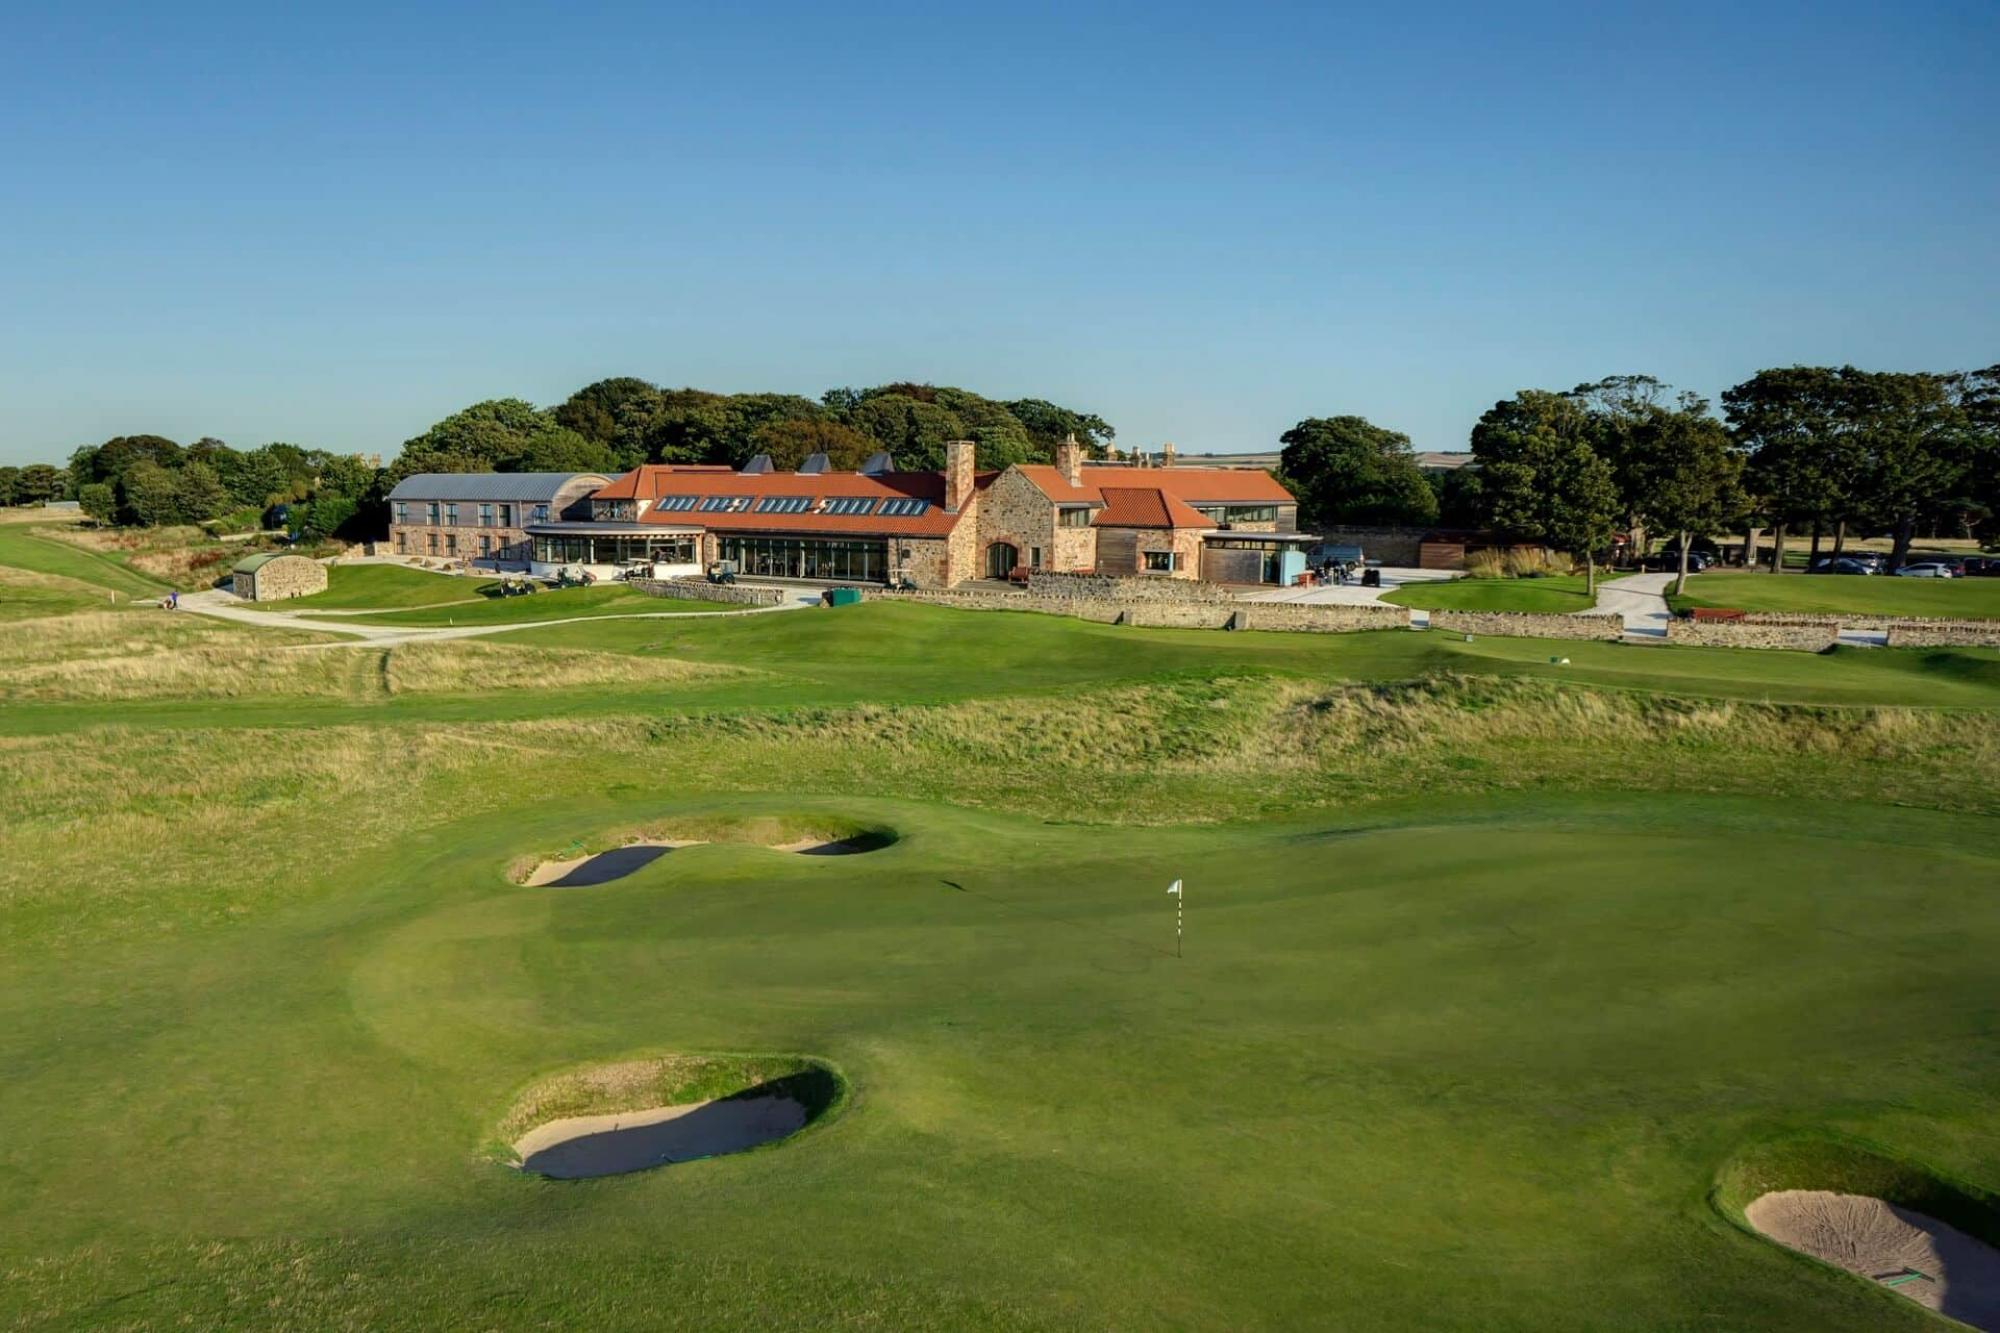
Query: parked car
x,y
1981,567
1845,564
1925,569
1669,561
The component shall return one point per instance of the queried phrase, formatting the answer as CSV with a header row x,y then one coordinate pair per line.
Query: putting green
x,y
1467,1063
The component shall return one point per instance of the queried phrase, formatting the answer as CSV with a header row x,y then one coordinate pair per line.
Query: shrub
x,y
1486,565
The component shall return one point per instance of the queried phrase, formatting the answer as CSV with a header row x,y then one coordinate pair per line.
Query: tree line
x,y
1834,451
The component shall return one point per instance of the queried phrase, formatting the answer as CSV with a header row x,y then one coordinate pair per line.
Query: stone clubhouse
x,y
873,525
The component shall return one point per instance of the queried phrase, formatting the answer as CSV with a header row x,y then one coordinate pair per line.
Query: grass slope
x,y
1971,599
1557,594
26,546
383,587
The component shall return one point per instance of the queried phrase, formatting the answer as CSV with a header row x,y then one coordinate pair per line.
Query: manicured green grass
x,y
1887,595
27,546
548,604
1556,594
1418,1071
382,587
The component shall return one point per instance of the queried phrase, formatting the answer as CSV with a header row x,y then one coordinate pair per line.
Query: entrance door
x,y
1001,559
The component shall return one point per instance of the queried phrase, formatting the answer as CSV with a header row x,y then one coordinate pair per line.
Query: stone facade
x,y
1944,634
1171,613
1529,625
1807,636
1116,588
1014,510
488,531
279,577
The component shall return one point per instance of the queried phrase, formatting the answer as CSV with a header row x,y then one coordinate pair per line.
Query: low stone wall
x,y
1798,635
1944,634
1529,624
701,590
1169,614
1115,588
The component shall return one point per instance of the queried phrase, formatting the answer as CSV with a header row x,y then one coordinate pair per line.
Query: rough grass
x,y
1837,594
549,604
41,546
110,657
27,595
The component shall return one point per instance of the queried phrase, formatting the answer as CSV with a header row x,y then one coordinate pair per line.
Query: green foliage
x,y
36,483
1543,480
10,478
790,441
1461,497
1349,471
499,435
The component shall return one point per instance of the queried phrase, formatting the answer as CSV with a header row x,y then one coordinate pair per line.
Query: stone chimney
x,y
958,474
1069,461
1167,454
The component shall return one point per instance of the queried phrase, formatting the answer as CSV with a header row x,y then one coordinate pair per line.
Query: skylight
x,y
676,502
784,504
851,504
904,508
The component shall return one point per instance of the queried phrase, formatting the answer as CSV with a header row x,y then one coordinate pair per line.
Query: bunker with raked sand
x,y
587,863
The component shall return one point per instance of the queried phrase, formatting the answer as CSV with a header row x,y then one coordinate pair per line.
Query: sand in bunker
x,y
602,868
609,1145
1883,1242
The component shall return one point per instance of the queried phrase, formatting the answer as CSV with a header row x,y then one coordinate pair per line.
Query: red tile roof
x,y
1146,507
656,481
1192,485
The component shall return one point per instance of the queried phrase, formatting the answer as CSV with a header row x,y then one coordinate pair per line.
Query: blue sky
x,y
1203,222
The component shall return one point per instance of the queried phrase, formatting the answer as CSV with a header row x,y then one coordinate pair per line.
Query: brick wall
x,y
1529,625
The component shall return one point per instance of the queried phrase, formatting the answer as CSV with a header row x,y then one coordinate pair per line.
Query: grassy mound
x,y
1852,1166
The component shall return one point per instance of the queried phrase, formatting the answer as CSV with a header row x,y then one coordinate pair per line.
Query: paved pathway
x,y
227,606
1640,599
1351,594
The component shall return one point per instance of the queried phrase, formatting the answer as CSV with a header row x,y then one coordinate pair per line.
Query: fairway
x,y
1884,595
1496,969
382,587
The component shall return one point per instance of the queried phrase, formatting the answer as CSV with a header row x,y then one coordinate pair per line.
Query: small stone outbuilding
x,y
274,576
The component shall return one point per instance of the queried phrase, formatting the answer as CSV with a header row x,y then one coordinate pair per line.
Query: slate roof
x,y
516,487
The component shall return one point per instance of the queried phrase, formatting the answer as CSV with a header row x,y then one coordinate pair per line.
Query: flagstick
x,y
1180,907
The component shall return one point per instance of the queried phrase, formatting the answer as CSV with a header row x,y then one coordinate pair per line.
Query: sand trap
x,y
610,1145
1961,1275
602,868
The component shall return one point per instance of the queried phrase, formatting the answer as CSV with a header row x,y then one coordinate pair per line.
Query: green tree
x,y
598,411
10,478
38,483
1542,479
98,500
1685,474
1461,497
198,494
790,442
1796,426
147,495
1350,471
499,435
111,460
1915,442
1048,425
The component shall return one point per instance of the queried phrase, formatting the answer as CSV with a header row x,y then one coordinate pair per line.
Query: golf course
x,y
1513,971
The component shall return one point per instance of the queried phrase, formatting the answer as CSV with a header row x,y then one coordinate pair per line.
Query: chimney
x,y
1069,461
958,473
1167,454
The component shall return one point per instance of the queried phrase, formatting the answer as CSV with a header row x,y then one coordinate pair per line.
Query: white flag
x,y
1176,889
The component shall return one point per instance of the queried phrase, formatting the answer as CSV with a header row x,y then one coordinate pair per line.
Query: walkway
x,y
1641,599
1351,594
227,606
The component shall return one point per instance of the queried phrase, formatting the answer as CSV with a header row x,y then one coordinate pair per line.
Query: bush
x,y
1486,565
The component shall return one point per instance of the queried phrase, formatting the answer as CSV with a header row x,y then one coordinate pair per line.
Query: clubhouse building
x,y
933,529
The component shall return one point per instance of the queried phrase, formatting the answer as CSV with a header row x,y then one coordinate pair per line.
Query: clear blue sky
x,y
1201,221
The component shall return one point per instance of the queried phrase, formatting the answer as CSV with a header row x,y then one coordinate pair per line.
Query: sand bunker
x,y
1913,1255
603,867
608,1145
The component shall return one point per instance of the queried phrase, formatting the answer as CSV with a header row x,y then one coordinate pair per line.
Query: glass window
x,y
541,513
784,504
1249,514
851,504
451,543
485,544
433,542
402,511
506,516
1159,562
675,503
1073,516
905,508
402,543
431,515
1034,557
450,515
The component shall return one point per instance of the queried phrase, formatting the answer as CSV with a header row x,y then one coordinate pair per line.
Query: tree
x,y
37,484
98,500
111,460
1976,393
1349,471
1915,445
1048,425
147,495
1542,479
10,478
790,442
596,411
499,435
1804,462
1461,497
1684,474
198,494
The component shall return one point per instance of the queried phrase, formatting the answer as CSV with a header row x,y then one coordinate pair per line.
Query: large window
x,y
1073,516
784,504
431,515
668,550
830,559
485,515
903,508
1160,562
402,511
506,516
451,543
614,511
851,504
450,514
1240,513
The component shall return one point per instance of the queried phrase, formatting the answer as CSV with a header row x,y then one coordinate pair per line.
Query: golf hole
x,y
577,866
641,1114
1916,1256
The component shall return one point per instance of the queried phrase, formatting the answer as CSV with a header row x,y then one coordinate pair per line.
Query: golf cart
x,y
722,571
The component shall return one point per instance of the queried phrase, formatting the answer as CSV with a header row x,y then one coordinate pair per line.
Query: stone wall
x,y
701,590
1529,625
1944,633
279,578
1168,614
1115,588
1798,635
